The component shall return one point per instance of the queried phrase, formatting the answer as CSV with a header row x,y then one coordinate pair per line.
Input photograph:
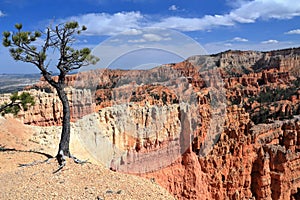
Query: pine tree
x,y
61,38
17,102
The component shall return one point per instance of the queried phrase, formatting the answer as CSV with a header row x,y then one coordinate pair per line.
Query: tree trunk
x,y
6,106
65,134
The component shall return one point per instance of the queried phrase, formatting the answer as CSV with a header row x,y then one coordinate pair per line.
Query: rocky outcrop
x,y
223,173
140,135
243,163
224,126
47,110
276,166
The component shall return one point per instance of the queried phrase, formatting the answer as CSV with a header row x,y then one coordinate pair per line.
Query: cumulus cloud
x,y
243,12
1,14
107,24
270,42
267,9
195,24
246,12
295,31
150,37
137,41
132,31
173,8
239,39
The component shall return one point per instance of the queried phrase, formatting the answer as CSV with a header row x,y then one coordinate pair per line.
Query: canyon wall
x,y
224,126
47,110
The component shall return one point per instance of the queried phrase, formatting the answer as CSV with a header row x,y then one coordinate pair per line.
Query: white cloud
x,y
137,41
249,12
195,24
107,24
295,31
152,37
1,14
132,32
270,42
173,8
243,12
238,39
228,45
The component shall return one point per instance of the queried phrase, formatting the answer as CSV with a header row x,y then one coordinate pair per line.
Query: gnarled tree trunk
x,y
57,39
63,149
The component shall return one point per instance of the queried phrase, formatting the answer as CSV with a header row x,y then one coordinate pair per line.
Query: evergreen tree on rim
x,y
22,47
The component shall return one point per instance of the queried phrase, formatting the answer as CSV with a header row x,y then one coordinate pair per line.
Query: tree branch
x,y
6,106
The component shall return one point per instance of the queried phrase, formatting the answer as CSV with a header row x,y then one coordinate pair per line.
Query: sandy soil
x,y
74,181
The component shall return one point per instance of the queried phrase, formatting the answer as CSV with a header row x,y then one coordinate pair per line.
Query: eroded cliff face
x,y
225,173
275,173
47,110
160,123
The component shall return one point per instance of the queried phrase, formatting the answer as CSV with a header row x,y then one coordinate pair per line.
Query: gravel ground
x,y
74,181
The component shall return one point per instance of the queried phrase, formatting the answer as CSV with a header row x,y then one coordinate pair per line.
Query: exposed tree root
x,y
59,168
35,163
61,158
78,161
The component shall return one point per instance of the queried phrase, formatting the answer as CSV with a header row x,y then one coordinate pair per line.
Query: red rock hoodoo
x,y
171,108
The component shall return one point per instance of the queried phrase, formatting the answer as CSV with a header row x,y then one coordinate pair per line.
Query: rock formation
x,y
47,110
224,126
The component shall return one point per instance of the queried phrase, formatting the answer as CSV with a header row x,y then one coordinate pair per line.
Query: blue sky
x,y
216,25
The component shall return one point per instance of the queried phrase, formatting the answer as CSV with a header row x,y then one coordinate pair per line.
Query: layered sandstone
x,y
224,126
47,110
